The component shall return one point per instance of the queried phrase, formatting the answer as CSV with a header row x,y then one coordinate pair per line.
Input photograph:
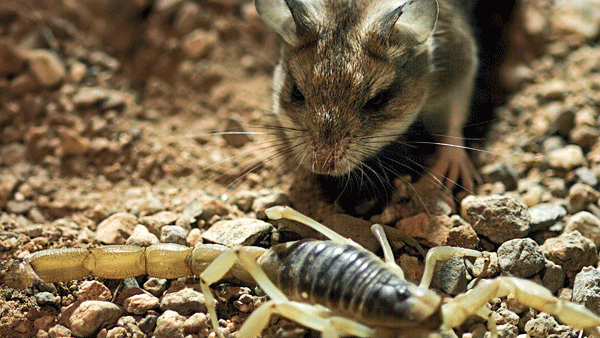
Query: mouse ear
x,y
420,17
412,18
289,18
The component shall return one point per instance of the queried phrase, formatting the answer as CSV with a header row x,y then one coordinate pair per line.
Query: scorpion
x,y
333,286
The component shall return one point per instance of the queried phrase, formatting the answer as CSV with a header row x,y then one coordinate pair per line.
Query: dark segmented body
x,y
353,282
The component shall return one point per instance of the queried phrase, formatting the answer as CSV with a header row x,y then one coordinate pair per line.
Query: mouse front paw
x,y
453,165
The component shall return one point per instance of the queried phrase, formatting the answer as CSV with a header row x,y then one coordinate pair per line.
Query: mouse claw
x,y
453,165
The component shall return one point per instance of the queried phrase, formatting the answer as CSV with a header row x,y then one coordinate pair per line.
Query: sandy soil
x,y
110,106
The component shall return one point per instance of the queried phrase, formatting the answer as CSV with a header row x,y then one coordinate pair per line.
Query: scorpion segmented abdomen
x,y
349,280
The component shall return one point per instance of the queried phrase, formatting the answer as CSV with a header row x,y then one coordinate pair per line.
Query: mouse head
x,y
353,75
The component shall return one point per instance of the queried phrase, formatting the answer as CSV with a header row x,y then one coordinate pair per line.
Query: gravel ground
x,y
115,121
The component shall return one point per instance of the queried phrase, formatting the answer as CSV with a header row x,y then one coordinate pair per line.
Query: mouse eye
x,y
296,96
379,101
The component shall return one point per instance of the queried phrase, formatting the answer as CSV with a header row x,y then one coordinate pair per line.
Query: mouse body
x,y
355,75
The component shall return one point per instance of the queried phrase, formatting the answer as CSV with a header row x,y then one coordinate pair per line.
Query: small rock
x,y
242,231
116,228
505,316
557,187
571,251
146,204
89,96
24,83
507,331
198,43
545,215
46,66
93,290
11,61
576,21
542,326
12,154
173,234
486,267
155,286
413,270
77,72
584,176
142,237
190,215
167,8
8,183
19,207
244,199
116,100
213,208
186,18
521,257
580,195
498,218
140,304
155,222
101,59
117,332
553,90
34,230
44,323
565,122
553,143
587,224
148,323
450,276
461,234
586,288
71,143
554,276
426,229
169,325
195,323
584,136
46,298
235,134
567,158
533,195
267,199
59,331
194,237
89,316
499,172
185,300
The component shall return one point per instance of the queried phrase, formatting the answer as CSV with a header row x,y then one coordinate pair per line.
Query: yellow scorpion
x,y
335,286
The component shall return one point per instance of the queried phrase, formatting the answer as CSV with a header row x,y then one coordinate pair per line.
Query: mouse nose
x,y
324,160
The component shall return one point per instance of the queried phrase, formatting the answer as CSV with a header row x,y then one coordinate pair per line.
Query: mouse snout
x,y
329,148
326,160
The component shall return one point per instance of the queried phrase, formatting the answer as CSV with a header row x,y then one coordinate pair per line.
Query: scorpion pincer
x,y
336,286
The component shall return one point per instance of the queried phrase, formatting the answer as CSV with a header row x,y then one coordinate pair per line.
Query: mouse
x,y
356,76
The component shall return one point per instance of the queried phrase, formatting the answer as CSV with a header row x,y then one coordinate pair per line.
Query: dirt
x,y
135,107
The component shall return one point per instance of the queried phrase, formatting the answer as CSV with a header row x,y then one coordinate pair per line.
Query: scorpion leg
x,y
525,292
388,255
442,253
279,212
311,316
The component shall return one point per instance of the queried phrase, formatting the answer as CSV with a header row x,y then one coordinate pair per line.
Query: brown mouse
x,y
355,74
